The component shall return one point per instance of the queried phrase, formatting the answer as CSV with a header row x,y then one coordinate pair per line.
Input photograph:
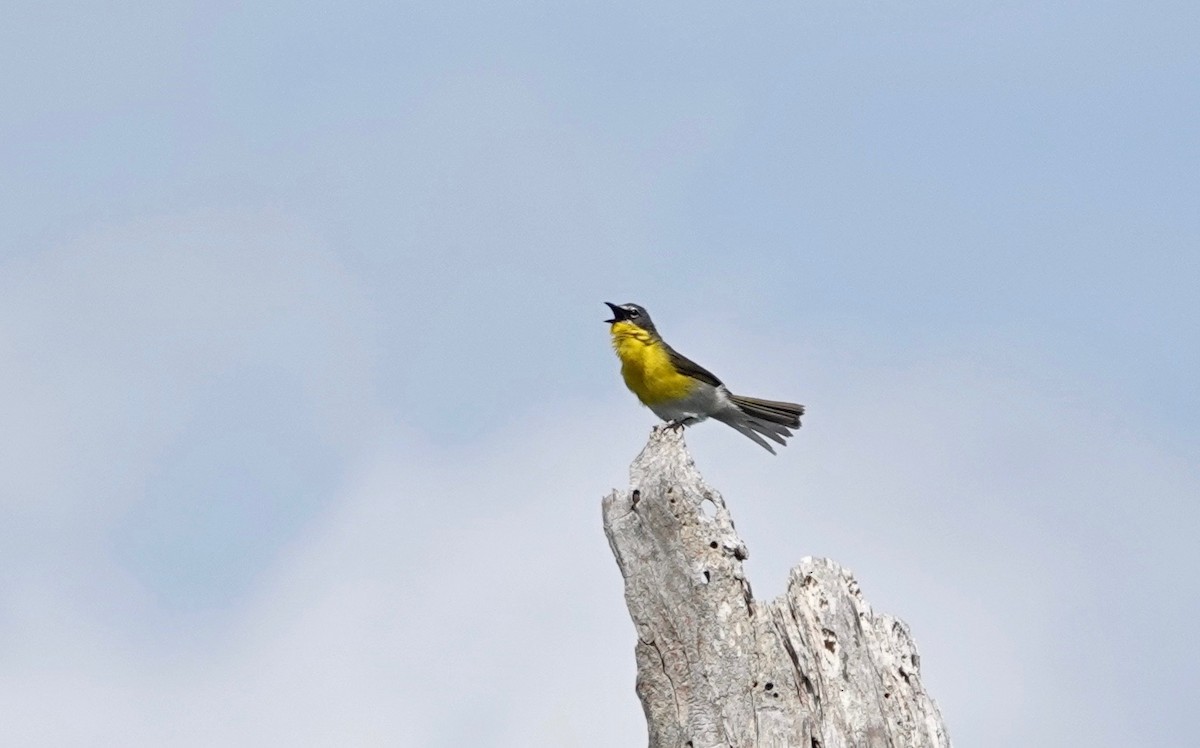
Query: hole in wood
x,y
708,508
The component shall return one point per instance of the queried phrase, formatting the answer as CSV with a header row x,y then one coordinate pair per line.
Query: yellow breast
x,y
646,365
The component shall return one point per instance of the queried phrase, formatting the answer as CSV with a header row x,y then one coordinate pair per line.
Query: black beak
x,y
618,313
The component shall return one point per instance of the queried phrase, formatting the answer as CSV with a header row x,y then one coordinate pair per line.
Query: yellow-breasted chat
x,y
681,392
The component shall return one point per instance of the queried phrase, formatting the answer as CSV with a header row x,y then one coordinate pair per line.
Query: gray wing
x,y
690,368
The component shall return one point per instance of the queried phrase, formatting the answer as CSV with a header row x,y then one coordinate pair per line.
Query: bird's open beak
x,y
618,313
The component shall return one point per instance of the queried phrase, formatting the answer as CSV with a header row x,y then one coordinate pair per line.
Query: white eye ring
x,y
634,313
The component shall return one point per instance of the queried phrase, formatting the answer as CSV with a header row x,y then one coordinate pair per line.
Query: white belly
x,y
701,403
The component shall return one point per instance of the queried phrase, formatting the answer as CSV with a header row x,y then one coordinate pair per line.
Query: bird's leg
x,y
675,424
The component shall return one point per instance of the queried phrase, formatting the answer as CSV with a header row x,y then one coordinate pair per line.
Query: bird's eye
x,y
633,313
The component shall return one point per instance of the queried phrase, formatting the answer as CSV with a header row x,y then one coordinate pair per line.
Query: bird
x,y
683,393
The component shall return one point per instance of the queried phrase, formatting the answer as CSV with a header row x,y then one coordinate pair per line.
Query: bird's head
x,y
630,315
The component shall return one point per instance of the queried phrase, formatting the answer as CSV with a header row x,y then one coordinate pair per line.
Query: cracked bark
x,y
816,668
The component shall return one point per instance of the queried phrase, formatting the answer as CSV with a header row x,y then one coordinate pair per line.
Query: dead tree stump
x,y
816,668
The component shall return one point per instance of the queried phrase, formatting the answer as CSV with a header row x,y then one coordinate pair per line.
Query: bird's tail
x,y
770,418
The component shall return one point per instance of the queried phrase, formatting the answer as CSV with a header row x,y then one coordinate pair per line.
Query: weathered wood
x,y
816,668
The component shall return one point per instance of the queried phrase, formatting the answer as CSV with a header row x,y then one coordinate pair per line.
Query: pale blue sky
x,y
308,406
